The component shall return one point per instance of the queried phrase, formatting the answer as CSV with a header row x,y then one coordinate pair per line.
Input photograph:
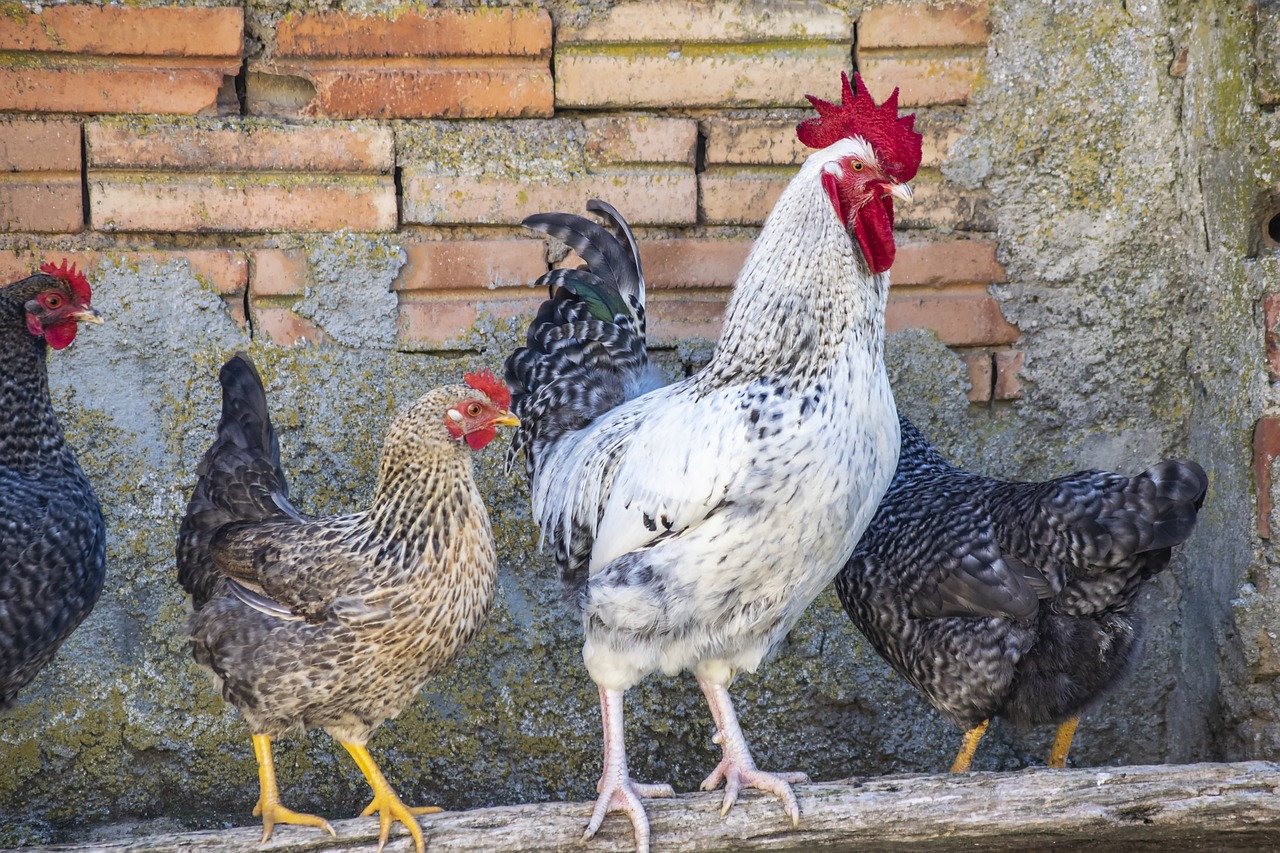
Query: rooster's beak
x,y
506,419
87,315
902,192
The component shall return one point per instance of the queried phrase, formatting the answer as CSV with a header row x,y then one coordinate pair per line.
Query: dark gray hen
x,y
52,534
1013,599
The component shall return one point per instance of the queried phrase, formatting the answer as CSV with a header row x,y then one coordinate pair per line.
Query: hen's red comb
x,y
895,141
68,273
490,385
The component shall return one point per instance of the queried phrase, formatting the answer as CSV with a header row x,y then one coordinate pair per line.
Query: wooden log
x,y
1219,807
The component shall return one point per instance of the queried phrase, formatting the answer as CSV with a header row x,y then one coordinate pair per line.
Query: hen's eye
x,y
473,410
53,300
857,167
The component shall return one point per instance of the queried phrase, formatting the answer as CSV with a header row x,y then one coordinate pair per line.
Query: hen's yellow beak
x,y
507,419
87,315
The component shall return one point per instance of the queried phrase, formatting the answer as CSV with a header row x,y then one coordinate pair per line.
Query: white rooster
x,y
693,523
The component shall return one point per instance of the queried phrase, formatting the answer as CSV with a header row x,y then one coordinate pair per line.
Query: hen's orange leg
x,y
965,757
385,802
268,806
1062,743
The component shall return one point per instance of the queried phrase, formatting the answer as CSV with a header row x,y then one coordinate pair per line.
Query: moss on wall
x,y
1123,223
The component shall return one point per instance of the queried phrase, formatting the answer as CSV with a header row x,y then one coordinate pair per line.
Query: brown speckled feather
x,y
367,605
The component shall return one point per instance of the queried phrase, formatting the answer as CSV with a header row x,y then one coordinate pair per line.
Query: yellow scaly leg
x,y
965,757
268,806
385,802
1062,743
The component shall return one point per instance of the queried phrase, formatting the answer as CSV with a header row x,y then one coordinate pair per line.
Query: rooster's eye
x,y
857,167
474,410
53,300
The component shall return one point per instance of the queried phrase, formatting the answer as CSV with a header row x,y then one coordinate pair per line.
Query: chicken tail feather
x,y
239,479
585,351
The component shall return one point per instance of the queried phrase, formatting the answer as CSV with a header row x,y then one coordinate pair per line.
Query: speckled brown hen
x,y
337,622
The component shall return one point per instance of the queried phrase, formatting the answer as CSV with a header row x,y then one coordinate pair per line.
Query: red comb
x,y
68,273
491,386
895,141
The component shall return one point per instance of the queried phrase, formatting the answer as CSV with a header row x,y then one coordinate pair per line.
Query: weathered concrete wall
x,y
1127,163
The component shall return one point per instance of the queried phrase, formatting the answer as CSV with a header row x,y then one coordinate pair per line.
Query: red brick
x,y
747,141
667,197
674,317
471,264
436,32
225,270
1007,386
1271,317
641,139
949,262
42,203
738,195
1266,447
921,81
283,327
918,24
658,76
442,323
981,365
46,145
125,31
690,262
276,272
773,142
141,201
959,316
252,145
680,22
96,88
436,91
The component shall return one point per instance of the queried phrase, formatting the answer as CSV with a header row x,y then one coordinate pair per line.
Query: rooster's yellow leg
x,y
1062,743
970,745
385,802
268,806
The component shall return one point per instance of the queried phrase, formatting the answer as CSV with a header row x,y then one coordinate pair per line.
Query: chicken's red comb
x,y
894,139
68,273
491,386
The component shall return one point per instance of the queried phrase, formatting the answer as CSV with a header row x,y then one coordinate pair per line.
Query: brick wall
x,y
229,131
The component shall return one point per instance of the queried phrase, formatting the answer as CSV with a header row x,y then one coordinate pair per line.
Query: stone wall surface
x,y
337,187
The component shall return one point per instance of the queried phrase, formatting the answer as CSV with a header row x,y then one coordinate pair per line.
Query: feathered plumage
x,y
52,534
337,622
1013,599
693,523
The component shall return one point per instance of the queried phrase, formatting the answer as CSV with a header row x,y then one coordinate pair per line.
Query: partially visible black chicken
x,y
1013,599
52,535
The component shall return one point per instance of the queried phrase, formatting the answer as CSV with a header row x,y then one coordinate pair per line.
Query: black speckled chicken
x,y
337,622
1013,599
52,534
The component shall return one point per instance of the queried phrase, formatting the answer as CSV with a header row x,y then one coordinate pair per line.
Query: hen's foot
x,y
272,813
385,802
413,810
739,774
268,806
623,795
738,769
